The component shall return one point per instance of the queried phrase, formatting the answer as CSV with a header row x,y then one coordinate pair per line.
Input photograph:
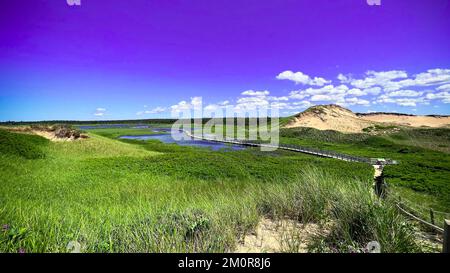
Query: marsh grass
x,y
422,169
144,196
356,214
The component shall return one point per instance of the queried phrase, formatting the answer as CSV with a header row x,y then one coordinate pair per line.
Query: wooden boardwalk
x,y
300,149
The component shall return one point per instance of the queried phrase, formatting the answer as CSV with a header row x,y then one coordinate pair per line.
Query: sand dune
x,y
408,120
329,117
338,118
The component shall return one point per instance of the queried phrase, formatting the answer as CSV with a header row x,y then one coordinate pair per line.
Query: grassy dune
x,y
145,196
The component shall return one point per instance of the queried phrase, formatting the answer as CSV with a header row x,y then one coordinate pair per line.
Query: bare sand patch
x,y
51,136
271,236
406,120
46,132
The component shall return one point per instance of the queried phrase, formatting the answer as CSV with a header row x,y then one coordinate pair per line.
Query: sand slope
x,y
338,118
329,117
408,120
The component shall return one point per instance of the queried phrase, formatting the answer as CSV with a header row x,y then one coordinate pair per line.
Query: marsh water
x,y
164,135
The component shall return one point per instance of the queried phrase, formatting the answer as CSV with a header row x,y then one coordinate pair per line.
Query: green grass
x,y
21,145
116,132
145,196
422,170
437,139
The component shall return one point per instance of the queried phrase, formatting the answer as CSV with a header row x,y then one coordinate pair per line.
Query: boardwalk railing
x,y
297,148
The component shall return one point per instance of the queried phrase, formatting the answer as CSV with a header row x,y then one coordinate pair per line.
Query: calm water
x,y
167,138
110,126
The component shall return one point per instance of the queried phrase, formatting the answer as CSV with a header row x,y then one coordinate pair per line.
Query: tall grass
x,y
356,215
134,196
423,170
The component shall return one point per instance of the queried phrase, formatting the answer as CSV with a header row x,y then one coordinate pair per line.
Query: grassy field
x,y
145,196
422,176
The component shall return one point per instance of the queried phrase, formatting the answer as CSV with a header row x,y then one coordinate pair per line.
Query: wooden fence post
x,y
446,246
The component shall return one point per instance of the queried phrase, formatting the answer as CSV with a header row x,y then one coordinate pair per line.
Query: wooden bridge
x,y
300,149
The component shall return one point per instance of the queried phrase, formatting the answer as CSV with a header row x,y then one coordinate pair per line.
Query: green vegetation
x,y
423,170
21,145
116,132
145,196
437,139
378,127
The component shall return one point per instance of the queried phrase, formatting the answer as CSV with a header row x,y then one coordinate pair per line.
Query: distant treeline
x,y
130,121
397,114
73,122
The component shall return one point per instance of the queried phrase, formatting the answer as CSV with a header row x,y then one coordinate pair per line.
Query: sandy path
x,y
271,236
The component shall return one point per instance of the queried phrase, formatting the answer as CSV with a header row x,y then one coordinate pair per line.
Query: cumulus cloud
x,y
375,87
405,93
445,87
343,78
330,94
156,110
356,101
255,93
382,78
183,106
282,98
393,86
444,96
100,112
396,79
372,90
356,92
301,78
401,101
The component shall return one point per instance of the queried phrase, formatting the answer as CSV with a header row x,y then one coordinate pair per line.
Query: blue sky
x,y
146,59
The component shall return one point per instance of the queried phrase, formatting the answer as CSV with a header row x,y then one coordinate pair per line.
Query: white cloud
x,y
321,97
252,102
406,102
444,96
100,112
255,93
156,110
377,87
356,101
404,93
356,92
196,102
401,101
298,95
300,78
273,98
328,93
181,106
301,104
445,87
343,78
396,79
382,78
372,90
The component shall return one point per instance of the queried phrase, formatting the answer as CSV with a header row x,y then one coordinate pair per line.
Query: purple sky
x,y
132,59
